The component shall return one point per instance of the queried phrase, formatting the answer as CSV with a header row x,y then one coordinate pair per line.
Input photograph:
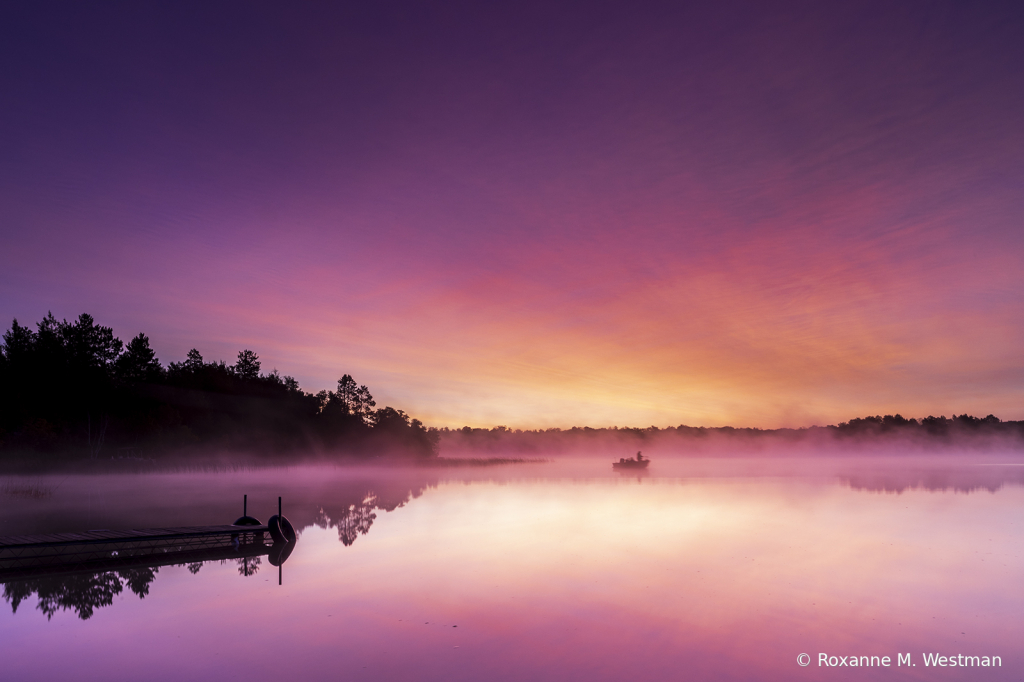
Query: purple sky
x,y
535,215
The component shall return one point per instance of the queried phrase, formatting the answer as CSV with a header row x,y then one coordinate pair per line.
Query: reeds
x,y
26,488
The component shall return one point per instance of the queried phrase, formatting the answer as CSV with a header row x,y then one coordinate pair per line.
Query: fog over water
x,y
708,568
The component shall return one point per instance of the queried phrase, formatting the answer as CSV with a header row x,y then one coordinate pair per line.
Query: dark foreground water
x,y
701,569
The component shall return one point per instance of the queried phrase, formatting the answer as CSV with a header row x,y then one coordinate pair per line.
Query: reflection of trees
x,y
79,593
354,507
138,579
355,518
249,565
351,522
83,593
960,480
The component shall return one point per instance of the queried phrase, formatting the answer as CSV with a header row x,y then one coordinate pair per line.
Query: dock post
x,y
245,505
278,506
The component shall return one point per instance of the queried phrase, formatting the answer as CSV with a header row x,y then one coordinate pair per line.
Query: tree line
x,y
74,389
928,432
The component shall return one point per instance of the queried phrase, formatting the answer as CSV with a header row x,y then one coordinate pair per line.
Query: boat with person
x,y
630,463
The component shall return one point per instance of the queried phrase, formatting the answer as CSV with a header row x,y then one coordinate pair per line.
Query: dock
x,y
24,556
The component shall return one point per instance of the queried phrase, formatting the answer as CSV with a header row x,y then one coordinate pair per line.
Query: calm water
x,y
701,569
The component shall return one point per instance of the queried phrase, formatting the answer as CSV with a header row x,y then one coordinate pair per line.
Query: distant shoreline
x,y
869,434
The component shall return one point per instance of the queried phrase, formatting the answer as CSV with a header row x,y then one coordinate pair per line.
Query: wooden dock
x,y
24,556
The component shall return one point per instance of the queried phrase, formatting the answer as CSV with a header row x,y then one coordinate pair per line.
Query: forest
x,y
892,434
73,390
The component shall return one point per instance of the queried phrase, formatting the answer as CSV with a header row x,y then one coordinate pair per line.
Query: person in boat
x,y
639,457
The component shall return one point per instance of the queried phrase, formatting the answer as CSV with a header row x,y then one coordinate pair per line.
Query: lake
x,y
714,569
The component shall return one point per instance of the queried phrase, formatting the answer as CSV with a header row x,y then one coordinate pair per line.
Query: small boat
x,y
631,463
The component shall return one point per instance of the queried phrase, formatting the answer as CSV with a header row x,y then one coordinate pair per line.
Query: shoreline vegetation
x,y
72,393
880,434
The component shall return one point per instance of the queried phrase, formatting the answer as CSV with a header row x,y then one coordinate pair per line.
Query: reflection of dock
x,y
108,550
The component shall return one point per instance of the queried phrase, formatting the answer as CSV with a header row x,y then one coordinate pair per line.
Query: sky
x,y
535,214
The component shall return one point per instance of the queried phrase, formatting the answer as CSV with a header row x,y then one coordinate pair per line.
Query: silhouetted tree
x,y
289,384
390,419
248,365
396,428
193,361
355,400
88,344
138,363
18,343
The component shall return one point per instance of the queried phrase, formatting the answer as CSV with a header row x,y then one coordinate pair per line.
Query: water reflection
x,y
703,569
82,593
248,566
959,479
354,518
352,512
65,587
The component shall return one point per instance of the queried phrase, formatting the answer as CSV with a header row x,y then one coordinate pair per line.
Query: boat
x,y
638,463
